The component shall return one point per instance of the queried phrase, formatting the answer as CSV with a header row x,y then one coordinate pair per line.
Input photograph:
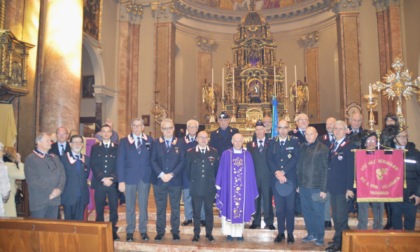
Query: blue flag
x,y
274,118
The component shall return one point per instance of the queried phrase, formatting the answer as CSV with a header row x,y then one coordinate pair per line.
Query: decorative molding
x,y
346,6
311,39
206,44
103,91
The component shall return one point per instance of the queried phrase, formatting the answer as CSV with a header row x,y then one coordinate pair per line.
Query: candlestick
x,y
233,82
212,75
285,80
223,83
295,75
370,90
275,86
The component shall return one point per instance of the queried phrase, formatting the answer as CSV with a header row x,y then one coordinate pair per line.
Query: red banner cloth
x,y
379,175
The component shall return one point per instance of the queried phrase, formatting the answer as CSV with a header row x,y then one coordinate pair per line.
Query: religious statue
x,y
254,91
210,95
299,95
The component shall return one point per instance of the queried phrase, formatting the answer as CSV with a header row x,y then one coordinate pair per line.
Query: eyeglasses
x,y
136,125
282,127
402,136
371,141
168,128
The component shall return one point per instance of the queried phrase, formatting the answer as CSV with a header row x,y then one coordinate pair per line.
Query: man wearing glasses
x,y
168,160
134,173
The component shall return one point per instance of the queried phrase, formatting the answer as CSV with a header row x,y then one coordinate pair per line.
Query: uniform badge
x,y
340,156
211,159
290,148
289,156
148,146
176,150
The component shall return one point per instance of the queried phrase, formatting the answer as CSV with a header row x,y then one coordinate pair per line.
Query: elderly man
x,y
328,139
46,177
340,181
201,169
282,157
258,149
134,171
75,195
220,139
62,145
168,161
114,137
312,169
236,189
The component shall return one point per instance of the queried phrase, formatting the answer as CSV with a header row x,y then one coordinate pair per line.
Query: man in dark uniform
x,y
103,162
62,145
282,157
75,195
340,181
258,149
168,160
202,164
221,139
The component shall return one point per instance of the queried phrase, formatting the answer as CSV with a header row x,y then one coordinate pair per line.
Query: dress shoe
x,y
158,237
240,238
279,238
209,237
144,236
203,223
186,222
115,237
253,226
271,227
176,237
229,238
388,226
196,238
327,224
333,248
290,238
129,237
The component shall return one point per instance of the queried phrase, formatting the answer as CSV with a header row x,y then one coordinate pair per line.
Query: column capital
x,y
206,44
346,6
131,12
382,5
311,39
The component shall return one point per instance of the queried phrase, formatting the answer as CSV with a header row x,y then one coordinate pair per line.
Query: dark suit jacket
x,y
168,162
103,162
301,138
54,149
283,158
201,171
221,140
76,182
325,139
188,145
262,172
132,166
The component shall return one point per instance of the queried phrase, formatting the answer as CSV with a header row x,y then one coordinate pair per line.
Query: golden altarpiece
x,y
252,79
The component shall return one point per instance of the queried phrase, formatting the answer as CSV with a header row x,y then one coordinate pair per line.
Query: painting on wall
x,y
92,18
146,120
87,86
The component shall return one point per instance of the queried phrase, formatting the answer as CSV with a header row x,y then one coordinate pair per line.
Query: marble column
x,y
349,54
312,75
128,69
388,15
60,65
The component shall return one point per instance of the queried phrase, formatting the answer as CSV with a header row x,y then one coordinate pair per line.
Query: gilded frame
x,y
92,18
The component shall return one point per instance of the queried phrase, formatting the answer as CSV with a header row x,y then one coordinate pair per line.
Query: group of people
x,y
305,173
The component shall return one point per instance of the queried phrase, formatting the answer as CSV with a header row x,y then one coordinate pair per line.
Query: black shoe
x,y
115,237
158,237
388,226
333,248
144,236
129,237
240,238
209,237
196,238
229,238
279,238
176,237
253,226
290,238
271,227
186,222
327,224
203,223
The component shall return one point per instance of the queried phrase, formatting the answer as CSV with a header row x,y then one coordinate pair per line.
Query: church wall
x,y
87,105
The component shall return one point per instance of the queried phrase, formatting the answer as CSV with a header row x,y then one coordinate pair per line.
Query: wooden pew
x,y
378,240
25,234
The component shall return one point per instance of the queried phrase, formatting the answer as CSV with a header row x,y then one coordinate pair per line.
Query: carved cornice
x,y
311,39
205,44
132,11
382,5
346,6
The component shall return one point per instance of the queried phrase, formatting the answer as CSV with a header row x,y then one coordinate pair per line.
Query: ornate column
x,y
311,74
389,41
60,65
128,67
349,54
206,47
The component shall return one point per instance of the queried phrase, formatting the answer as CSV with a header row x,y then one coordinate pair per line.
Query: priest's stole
x,y
380,175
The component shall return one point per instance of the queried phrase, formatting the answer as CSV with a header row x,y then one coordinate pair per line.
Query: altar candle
x,y
212,74
295,75
275,82
223,83
370,90
233,82
285,80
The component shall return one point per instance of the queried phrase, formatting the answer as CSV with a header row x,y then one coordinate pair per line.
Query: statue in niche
x,y
299,95
254,91
210,95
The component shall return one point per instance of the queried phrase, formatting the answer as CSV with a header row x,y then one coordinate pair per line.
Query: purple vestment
x,y
236,186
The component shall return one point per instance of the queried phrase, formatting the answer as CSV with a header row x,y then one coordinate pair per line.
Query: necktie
x,y
138,145
192,139
303,132
106,146
77,157
332,138
62,149
335,145
260,146
168,146
203,151
281,143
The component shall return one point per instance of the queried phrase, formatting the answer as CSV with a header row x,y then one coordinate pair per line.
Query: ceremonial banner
x,y
379,175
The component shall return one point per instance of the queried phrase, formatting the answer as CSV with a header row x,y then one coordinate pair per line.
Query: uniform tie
x,y
335,145
138,145
106,146
332,138
281,143
260,146
77,162
203,151
168,146
62,149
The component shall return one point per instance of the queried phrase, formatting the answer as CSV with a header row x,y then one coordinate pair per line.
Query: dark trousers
x,y
161,193
75,211
285,207
197,203
340,215
409,211
266,194
49,212
100,201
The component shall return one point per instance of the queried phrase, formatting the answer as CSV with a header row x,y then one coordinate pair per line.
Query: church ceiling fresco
x,y
244,5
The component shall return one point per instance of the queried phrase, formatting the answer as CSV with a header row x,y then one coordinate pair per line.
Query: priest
x,y
236,189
